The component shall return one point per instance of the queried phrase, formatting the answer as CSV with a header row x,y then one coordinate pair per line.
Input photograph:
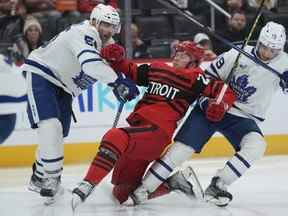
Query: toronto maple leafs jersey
x,y
254,85
12,88
71,60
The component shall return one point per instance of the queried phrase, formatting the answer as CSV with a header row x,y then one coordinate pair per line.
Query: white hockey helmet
x,y
272,35
108,14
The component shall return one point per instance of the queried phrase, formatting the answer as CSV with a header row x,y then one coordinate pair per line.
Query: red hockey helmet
x,y
191,48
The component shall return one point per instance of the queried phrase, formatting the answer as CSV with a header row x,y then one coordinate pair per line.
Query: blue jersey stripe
x,y
157,175
87,51
11,99
90,60
256,117
233,169
52,160
165,165
245,162
43,68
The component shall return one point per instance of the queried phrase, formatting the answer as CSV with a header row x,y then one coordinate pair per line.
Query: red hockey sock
x,y
113,144
160,191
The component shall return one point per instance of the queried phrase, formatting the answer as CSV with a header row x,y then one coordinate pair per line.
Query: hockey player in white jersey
x,y
254,87
56,73
13,98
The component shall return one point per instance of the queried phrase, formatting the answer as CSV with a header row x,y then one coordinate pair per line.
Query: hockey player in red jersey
x,y
170,91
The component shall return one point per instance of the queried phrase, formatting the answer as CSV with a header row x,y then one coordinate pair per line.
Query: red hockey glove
x,y
113,53
215,112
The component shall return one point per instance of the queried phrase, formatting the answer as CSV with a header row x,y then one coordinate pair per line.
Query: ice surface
x,y
262,192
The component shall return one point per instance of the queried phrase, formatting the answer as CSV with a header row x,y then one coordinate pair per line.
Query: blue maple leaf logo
x,y
83,81
241,88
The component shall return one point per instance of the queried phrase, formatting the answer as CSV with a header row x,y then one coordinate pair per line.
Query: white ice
x,y
262,191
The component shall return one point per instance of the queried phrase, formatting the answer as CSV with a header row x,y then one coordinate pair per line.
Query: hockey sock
x,y
253,147
51,149
38,169
113,144
162,168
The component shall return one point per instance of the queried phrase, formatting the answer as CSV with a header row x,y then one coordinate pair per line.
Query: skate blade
x,y
52,200
197,188
220,202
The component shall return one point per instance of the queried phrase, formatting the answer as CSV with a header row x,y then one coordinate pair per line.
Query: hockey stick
x,y
236,63
118,114
214,34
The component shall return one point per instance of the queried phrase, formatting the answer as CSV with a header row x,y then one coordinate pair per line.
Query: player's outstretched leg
x,y
217,193
113,144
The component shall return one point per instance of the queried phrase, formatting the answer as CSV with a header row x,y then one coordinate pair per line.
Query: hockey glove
x,y
124,89
215,112
284,82
113,53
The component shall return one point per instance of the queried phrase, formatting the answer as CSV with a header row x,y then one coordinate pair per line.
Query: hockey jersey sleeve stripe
x,y
87,51
90,60
43,68
11,99
249,114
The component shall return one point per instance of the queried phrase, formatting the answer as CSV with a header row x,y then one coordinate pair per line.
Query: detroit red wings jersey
x,y
169,93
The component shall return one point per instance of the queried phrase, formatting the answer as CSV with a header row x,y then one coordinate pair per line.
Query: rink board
x,y
84,152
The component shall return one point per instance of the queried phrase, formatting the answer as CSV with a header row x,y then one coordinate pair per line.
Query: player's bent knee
x,y
178,153
253,146
117,138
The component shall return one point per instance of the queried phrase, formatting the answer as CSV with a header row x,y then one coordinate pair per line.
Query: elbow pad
x,y
142,74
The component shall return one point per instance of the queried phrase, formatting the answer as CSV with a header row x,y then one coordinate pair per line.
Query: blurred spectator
x,y
86,6
270,4
40,5
235,30
204,41
31,39
139,47
198,7
12,8
11,25
66,5
42,8
230,6
182,3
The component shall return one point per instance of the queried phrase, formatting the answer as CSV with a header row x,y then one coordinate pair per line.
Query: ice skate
x,y
51,189
187,182
35,183
217,193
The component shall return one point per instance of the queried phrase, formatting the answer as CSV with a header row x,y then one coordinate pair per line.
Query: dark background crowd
x,y
26,24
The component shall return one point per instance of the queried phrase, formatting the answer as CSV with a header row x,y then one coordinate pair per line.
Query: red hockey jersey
x,y
169,93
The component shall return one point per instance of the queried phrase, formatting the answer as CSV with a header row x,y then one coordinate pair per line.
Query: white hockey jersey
x,y
253,85
71,60
12,88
